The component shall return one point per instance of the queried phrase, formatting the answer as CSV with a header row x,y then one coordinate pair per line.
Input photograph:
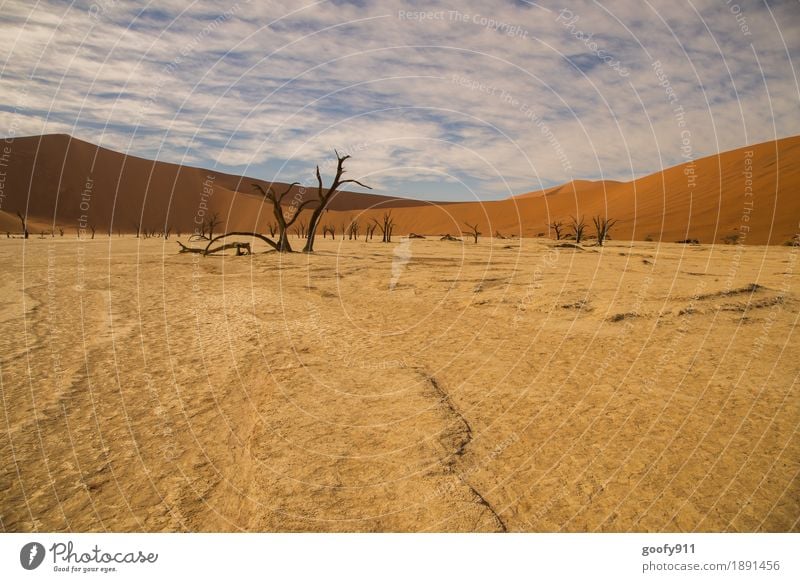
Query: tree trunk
x,y
312,228
284,246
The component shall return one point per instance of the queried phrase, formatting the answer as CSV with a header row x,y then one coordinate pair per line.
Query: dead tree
x,y
370,231
241,248
352,230
93,228
386,226
213,222
329,229
283,222
24,221
324,197
273,228
60,231
300,231
732,239
500,236
473,231
557,226
137,228
602,226
167,230
578,226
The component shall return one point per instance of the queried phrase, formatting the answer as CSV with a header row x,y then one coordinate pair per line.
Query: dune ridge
x,y
749,191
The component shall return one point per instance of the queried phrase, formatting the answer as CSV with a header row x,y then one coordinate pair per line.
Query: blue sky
x,y
432,100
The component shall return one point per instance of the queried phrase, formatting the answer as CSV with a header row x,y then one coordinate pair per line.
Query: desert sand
x,y
413,386
751,191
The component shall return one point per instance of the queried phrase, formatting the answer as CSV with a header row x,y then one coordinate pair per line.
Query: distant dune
x,y
60,179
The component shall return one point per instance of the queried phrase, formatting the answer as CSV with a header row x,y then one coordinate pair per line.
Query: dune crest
x,y
747,193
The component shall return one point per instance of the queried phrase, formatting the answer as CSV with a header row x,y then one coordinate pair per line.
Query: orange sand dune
x,y
575,187
64,181
707,199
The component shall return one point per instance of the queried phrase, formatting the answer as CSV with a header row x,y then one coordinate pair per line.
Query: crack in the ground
x,y
460,445
466,438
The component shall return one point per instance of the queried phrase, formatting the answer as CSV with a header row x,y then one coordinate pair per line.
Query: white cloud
x,y
508,98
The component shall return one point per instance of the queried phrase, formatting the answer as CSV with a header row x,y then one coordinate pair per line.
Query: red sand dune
x,y
60,179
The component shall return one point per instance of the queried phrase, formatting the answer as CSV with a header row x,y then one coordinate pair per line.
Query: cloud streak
x,y
436,101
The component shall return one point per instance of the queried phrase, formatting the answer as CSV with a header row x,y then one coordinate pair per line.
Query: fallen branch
x,y
241,249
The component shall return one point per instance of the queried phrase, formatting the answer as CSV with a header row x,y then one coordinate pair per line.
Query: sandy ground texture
x,y
413,386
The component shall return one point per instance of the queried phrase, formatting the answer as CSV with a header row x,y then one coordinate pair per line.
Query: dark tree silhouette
x,y
213,222
602,226
352,230
557,226
324,197
387,226
24,221
283,222
578,226
473,231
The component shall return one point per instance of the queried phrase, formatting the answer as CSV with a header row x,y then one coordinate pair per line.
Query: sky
x,y
460,101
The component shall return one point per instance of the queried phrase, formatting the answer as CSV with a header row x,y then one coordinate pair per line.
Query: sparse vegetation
x,y
324,197
387,226
602,227
212,223
622,316
282,245
578,226
300,231
284,220
24,221
557,226
352,230
732,239
473,231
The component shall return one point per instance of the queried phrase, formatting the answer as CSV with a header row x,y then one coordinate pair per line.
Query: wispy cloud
x,y
432,100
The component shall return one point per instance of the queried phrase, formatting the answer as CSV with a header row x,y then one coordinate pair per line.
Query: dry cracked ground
x,y
413,386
